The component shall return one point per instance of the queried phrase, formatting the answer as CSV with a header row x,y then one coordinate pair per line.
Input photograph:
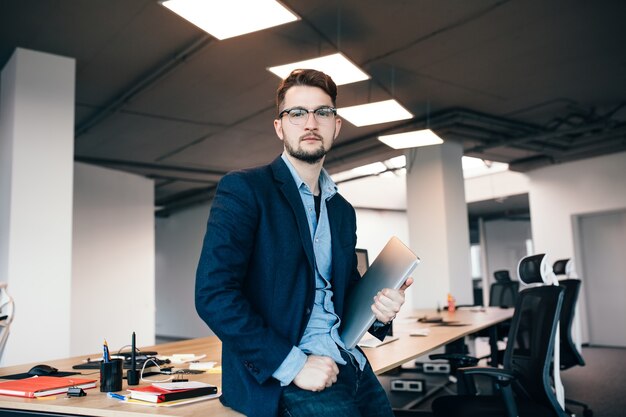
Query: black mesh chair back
x,y
570,356
531,344
502,275
503,294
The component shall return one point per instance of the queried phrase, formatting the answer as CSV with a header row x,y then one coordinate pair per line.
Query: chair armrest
x,y
458,360
466,383
503,378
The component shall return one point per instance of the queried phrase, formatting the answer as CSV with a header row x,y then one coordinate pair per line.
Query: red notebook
x,y
40,386
158,395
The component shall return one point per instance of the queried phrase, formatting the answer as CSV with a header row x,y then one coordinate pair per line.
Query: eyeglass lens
x,y
299,116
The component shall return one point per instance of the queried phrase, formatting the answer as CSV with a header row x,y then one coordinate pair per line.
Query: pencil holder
x,y
111,375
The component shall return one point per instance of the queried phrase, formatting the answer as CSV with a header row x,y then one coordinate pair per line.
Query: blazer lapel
x,y
290,191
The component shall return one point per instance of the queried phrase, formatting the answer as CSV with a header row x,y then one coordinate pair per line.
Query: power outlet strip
x,y
436,368
408,385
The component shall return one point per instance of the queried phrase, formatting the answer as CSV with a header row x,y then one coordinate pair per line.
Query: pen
x,y
116,396
133,362
105,355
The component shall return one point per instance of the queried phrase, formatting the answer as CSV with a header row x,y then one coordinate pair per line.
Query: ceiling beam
x,y
146,81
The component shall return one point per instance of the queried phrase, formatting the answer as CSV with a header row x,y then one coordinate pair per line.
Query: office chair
x,y
502,275
503,292
570,353
563,267
7,307
525,386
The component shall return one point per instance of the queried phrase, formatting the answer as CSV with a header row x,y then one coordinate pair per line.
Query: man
x,y
277,264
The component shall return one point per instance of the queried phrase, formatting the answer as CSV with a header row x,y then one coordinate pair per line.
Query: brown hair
x,y
309,78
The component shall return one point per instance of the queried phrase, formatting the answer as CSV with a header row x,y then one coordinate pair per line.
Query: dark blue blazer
x,y
255,281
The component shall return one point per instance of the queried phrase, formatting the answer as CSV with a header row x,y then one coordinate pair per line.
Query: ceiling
x,y
529,82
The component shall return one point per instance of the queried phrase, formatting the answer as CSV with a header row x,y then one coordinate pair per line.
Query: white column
x,y
438,225
36,177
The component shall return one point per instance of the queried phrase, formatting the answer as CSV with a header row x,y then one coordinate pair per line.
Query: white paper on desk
x,y
182,358
420,332
180,385
202,366
372,342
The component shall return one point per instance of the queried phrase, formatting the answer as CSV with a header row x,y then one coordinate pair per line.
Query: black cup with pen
x,y
111,372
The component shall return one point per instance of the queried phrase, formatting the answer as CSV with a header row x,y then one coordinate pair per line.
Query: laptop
x,y
390,269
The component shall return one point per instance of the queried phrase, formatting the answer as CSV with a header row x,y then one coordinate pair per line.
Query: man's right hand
x,y
318,373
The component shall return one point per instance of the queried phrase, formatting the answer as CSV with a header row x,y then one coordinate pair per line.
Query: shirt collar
x,y
327,185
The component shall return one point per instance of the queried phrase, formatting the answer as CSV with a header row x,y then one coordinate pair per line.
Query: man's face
x,y
311,140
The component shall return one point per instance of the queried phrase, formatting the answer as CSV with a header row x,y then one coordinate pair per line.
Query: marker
x,y
116,396
132,375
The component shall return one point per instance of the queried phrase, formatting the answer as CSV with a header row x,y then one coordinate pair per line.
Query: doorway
x,y
602,238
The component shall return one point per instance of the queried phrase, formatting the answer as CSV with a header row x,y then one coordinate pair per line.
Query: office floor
x,y
600,383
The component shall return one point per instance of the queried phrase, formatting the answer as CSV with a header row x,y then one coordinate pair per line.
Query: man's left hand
x,y
387,302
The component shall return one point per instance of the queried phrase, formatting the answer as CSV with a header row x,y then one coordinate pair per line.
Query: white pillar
x,y
438,225
36,179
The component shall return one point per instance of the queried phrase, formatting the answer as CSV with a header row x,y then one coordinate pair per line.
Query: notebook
x,y
390,269
159,393
40,386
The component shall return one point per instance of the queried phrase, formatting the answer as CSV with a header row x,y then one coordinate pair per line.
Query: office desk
x,y
382,358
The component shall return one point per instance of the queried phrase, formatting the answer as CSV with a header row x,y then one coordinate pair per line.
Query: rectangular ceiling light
x,y
226,19
374,113
412,139
340,68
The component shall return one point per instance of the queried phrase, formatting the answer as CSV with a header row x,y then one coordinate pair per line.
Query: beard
x,y
310,157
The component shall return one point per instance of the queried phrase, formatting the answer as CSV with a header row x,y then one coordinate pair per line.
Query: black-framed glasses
x,y
300,115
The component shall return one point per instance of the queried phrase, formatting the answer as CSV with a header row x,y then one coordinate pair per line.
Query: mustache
x,y
311,134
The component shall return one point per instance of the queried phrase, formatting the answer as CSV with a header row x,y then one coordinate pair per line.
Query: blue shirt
x,y
321,336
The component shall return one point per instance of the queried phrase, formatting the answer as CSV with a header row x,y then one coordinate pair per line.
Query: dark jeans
x,y
356,393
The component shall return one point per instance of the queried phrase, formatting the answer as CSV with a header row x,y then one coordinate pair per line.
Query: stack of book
x,y
41,386
172,393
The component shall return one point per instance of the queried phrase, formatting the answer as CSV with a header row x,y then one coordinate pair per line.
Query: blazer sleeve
x,y
219,294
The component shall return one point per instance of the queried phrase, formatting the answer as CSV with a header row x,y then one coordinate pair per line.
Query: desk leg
x,y
493,344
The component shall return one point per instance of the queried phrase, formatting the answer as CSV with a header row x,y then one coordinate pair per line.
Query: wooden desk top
x,y
382,359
